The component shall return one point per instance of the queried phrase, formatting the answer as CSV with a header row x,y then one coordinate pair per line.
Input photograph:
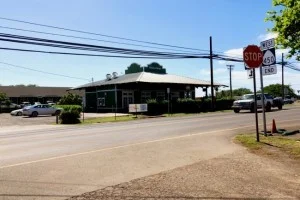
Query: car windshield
x,y
248,96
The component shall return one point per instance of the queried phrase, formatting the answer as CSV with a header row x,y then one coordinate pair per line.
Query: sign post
x,y
253,58
269,59
263,101
168,92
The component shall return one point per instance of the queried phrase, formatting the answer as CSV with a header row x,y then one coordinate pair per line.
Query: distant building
x,y
19,94
137,86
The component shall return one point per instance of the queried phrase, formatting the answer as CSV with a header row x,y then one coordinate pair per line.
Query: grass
x,y
285,144
133,117
193,114
110,119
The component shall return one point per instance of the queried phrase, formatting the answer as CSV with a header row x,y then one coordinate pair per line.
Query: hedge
x,y
70,107
70,114
187,106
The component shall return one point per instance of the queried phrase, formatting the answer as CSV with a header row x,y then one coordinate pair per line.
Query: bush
x,y
187,106
69,117
70,114
70,99
156,108
70,107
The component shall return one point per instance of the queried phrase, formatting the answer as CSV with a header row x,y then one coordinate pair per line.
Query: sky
x,y
232,25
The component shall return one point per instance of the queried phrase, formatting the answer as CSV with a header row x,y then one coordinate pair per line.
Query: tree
x,y
3,96
32,85
4,100
70,99
276,91
287,25
236,92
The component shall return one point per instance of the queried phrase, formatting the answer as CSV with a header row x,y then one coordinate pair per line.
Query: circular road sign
x,y
253,56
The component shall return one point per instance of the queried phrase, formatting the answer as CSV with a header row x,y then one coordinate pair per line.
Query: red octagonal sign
x,y
253,56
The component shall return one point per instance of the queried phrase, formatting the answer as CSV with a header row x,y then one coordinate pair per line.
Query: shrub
x,y
69,117
70,114
70,107
70,99
156,108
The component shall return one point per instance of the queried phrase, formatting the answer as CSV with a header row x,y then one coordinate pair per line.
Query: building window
x,y
175,95
160,96
101,102
187,94
145,95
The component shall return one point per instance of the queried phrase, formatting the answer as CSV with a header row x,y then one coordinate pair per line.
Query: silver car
x,y
41,109
18,112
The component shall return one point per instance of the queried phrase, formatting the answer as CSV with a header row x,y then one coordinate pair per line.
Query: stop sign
x,y
253,56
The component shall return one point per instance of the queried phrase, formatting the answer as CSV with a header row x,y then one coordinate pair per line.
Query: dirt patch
x,y
235,176
7,120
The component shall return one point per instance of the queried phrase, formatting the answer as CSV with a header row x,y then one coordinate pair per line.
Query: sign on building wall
x,y
138,108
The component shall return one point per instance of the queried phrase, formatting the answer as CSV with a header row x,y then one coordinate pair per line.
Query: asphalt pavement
x,y
57,162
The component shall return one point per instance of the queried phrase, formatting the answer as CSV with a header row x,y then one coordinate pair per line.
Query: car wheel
x,y
34,114
252,108
236,110
57,112
268,107
19,113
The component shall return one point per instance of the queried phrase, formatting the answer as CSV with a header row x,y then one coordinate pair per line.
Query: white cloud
x,y
279,53
267,36
234,52
217,71
237,53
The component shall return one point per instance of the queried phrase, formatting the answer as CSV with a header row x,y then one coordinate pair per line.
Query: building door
x,y
128,98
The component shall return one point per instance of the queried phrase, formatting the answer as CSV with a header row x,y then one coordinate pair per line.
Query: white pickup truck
x,y
247,103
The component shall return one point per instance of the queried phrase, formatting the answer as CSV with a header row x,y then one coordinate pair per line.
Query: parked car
x,y
288,99
247,103
10,106
24,104
18,112
41,109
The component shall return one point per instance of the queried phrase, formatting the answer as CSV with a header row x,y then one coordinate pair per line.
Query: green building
x,y
137,85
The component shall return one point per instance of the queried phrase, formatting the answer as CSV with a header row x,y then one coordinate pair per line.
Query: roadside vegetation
x,y
110,119
271,145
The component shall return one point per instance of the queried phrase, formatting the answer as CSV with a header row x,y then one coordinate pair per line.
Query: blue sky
x,y
232,24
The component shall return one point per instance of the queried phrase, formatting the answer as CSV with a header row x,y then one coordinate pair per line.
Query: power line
x,y
91,39
89,47
85,46
99,34
82,54
44,72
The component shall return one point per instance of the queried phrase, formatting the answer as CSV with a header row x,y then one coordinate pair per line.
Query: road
x,y
62,161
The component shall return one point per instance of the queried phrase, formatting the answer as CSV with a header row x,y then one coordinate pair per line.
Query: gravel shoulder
x,y
240,175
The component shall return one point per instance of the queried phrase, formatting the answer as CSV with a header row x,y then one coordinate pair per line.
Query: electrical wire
x,y
92,55
44,72
113,49
92,39
99,34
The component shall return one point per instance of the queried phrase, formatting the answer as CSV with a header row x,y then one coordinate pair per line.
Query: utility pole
x,y
211,74
230,67
282,73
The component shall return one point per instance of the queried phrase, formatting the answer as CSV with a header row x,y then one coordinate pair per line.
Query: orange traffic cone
x,y
274,129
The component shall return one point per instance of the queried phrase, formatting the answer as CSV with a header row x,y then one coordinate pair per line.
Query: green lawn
x,y
134,117
110,119
285,144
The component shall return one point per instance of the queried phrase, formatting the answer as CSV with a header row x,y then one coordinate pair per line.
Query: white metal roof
x,y
147,77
